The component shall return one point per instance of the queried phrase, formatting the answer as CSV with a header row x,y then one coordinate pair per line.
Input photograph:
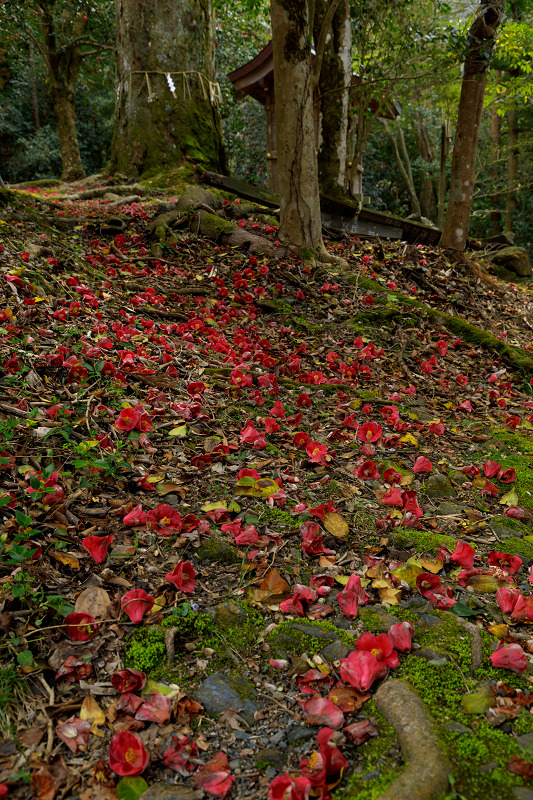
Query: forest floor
x,y
282,464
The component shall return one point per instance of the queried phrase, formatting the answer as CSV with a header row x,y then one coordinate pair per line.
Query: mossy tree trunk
x,y
293,79
61,49
481,38
333,83
160,121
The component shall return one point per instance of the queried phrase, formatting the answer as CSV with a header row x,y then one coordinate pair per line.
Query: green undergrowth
x,y
146,649
423,541
441,688
286,640
13,689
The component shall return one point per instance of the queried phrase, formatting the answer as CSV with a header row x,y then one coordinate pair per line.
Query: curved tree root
x,y
426,775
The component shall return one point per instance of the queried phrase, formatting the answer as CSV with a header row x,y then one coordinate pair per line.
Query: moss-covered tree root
x,y
426,776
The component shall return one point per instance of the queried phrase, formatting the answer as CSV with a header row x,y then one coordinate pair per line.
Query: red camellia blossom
x,y
74,732
351,597
463,555
215,777
328,762
505,561
430,587
391,476
491,468
523,610
301,440
127,754
422,464
72,669
285,787
127,419
369,432
367,471
380,646
128,680
80,627
402,634
317,452
312,543
179,756
515,512
164,519
300,595
136,603
507,475
97,546
361,669
508,598
322,711
135,517
509,656
392,498
182,577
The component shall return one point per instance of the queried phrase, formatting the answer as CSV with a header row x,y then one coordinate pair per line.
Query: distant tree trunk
x,y
333,83
481,38
495,148
293,79
63,61
513,151
160,120
34,95
426,152
403,163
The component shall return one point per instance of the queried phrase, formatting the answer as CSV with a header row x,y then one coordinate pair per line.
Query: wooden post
x,y
445,141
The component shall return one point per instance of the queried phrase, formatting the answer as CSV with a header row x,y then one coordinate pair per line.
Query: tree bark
x,y
403,163
481,38
63,56
427,184
161,121
333,89
513,150
300,223
495,148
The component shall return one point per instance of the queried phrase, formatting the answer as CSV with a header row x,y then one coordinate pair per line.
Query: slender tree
x,y
480,42
166,95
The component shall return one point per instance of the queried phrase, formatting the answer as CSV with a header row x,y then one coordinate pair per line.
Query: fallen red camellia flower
x,y
80,626
97,546
136,603
402,634
285,787
128,680
381,646
157,708
182,577
127,754
361,669
72,669
321,711
360,732
328,762
74,732
505,561
179,756
215,777
369,432
509,656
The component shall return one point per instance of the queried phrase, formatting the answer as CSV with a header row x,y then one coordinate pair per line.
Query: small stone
x,y
171,791
342,623
336,651
522,793
370,776
490,767
432,657
458,727
229,615
219,693
277,758
427,621
217,551
242,736
277,738
439,485
526,742
377,618
413,602
300,733
504,531
235,763
446,509
313,630
458,477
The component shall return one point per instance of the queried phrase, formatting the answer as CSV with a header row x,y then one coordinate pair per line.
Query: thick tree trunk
x,y
160,120
481,37
511,203
63,105
333,90
293,80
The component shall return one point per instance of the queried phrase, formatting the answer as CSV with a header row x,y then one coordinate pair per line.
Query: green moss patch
x,y
424,541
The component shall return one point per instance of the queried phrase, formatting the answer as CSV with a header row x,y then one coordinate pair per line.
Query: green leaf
x,y
59,604
25,658
463,611
131,788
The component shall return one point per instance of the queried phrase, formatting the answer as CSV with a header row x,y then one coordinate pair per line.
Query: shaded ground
x,y
134,384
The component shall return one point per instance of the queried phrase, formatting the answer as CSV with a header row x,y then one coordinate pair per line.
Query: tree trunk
x,y
333,90
34,95
495,147
511,203
293,80
63,61
481,37
403,163
167,96
426,153
63,105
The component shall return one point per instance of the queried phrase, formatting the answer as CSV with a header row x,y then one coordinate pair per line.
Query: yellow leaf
x,y
390,595
336,525
509,499
181,430
231,506
500,631
356,404
408,573
90,710
65,558
155,478
433,565
410,439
